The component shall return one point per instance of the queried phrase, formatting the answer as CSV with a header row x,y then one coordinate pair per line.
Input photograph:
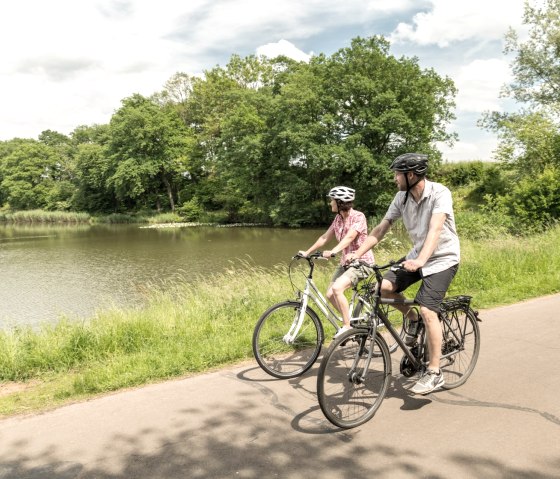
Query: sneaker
x,y
412,333
429,382
341,331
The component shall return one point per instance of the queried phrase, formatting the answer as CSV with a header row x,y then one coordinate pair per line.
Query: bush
x,y
165,218
534,201
461,174
191,210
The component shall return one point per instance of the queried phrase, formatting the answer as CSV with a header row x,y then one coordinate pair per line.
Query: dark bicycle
x,y
356,369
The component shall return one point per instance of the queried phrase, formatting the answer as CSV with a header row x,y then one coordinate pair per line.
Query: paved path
x,y
238,423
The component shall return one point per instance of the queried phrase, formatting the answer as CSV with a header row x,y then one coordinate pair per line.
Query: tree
x,y
536,67
28,181
149,146
529,148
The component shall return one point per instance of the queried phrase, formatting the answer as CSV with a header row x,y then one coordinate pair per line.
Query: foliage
x,y
259,140
534,201
529,149
149,148
536,67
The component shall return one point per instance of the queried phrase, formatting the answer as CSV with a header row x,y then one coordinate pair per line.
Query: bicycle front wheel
x,y
283,347
460,347
351,382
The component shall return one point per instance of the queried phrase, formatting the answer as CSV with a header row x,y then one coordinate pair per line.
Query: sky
x,y
66,63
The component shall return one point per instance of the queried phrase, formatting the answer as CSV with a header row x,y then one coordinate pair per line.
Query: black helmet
x,y
415,162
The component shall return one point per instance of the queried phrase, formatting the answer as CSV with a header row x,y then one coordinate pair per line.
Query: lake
x,y
49,271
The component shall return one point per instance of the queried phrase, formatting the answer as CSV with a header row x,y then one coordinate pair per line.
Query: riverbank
x,y
189,328
163,220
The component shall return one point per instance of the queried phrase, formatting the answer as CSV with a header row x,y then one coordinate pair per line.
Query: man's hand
x,y
328,253
303,254
412,265
351,257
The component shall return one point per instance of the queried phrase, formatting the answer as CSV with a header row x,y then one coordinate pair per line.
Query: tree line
x,y
258,140
262,140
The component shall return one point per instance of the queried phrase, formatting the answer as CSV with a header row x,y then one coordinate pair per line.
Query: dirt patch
x,y
12,387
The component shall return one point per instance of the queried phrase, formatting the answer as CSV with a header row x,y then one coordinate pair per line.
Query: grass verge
x,y
190,328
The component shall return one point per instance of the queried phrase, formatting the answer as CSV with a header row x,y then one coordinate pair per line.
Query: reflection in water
x,y
48,271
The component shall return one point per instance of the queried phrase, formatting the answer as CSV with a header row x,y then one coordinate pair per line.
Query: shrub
x,y
191,210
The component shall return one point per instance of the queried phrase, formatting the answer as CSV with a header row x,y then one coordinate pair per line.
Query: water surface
x,y
49,271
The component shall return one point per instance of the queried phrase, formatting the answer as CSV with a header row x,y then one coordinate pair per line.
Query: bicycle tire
x,y
463,354
398,324
276,356
347,397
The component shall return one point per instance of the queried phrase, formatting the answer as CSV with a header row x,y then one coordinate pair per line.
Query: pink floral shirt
x,y
355,220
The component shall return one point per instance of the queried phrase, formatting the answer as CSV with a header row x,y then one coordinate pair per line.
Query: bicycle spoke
x,y
349,394
286,355
461,345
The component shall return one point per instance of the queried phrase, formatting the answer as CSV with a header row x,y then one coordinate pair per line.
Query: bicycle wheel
x,y
395,317
282,356
349,389
460,347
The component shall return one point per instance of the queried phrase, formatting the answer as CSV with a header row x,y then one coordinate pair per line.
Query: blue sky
x,y
66,63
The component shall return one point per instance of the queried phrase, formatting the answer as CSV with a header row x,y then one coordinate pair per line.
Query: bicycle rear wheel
x,y
349,389
395,317
287,357
460,347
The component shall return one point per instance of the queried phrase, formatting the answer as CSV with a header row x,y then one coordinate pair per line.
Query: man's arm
x,y
436,225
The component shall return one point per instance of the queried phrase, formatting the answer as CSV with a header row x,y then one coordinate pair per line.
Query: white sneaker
x,y
429,382
341,331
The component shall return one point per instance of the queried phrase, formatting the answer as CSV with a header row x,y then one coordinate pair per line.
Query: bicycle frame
x,y
442,316
311,292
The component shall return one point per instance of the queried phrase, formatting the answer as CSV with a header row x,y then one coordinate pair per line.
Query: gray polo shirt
x,y
436,198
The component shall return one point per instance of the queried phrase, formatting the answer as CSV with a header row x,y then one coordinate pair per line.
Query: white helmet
x,y
342,193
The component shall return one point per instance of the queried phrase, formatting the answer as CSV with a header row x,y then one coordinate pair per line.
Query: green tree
x,y
529,146
28,181
536,67
346,116
149,146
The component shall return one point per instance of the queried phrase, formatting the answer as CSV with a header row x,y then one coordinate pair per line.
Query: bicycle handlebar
x,y
316,255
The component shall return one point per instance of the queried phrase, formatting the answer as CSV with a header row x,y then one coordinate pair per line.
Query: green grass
x,y
41,216
189,328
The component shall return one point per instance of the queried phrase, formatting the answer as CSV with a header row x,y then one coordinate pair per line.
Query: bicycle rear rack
x,y
456,302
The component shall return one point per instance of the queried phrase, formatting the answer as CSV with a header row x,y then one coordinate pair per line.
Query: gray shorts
x,y
354,274
433,287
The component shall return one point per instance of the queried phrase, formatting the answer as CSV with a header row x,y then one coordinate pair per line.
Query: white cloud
x,y
481,149
70,63
451,21
479,84
283,47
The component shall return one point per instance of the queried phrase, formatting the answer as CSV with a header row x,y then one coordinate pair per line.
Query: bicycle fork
x,y
292,333
355,376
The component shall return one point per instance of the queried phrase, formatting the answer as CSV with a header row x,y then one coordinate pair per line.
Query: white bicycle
x,y
288,337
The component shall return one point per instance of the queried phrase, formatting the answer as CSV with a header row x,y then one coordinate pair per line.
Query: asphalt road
x,y
240,423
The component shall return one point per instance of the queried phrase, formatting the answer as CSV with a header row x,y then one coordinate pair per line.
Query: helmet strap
x,y
409,186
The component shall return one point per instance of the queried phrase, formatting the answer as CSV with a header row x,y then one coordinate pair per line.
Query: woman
x,y
349,227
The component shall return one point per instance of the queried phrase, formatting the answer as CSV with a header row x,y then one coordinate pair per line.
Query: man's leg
x,y
430,295
387,291
435,336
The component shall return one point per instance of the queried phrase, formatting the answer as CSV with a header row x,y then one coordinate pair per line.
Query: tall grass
x,y
41,216
193,327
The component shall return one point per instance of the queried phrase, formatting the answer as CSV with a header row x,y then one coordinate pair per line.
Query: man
x,y
426,209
